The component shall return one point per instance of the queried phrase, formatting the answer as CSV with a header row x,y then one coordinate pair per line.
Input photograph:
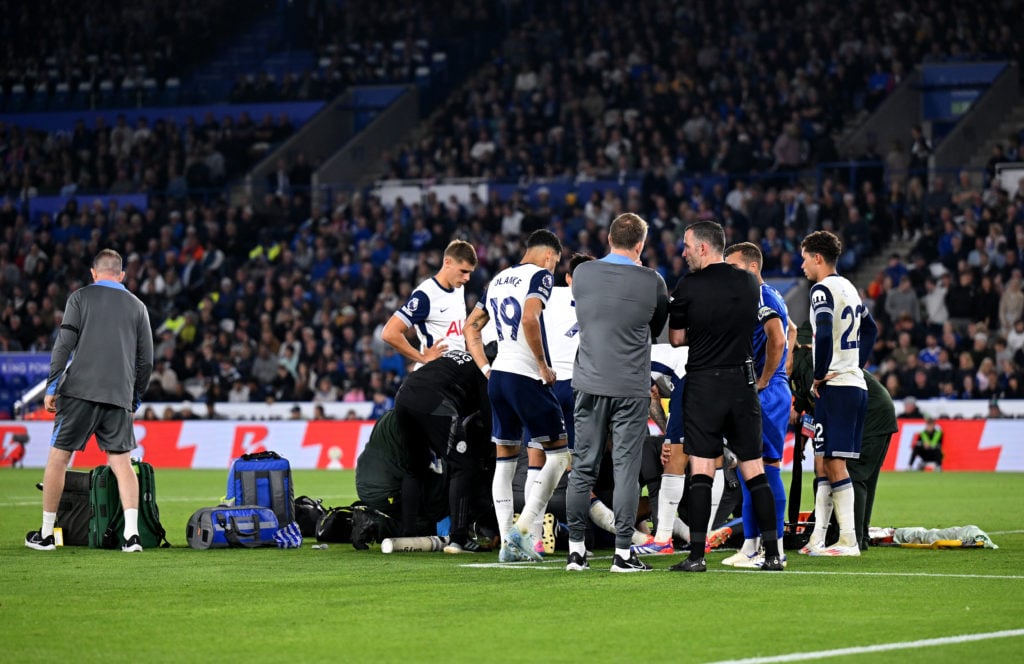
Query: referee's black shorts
x,y
719,403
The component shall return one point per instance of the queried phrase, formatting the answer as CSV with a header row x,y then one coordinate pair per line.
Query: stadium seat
x,y
171,93
61,96
105,94
128,95
440,60
150,93
84,97
18,97
40,98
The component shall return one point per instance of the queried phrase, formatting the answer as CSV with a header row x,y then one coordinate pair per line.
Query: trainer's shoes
x,y
35,540
773,563
651,547
547,538
132,545
469,546
717,538
522,544
811,546
577,563
690,566
836,550
631,564
740,559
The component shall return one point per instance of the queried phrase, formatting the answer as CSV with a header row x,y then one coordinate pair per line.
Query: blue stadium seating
x,y
19,98
171,92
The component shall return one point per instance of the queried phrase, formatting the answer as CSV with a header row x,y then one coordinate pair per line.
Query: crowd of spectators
x,y
366,44
151,156
950,312
285,301
279,304
50,43
692,87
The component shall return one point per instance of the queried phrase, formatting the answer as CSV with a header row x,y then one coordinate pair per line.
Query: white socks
x,y
822,511
842,499
537,527
750,546
681,530
547,479
602,516
669,495
131,523
501,493
49,518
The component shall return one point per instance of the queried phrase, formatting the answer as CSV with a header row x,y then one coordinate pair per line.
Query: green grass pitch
x,y
179,605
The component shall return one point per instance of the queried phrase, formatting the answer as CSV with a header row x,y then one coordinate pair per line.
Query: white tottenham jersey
x,y
436,312
835,295
505,300
668,360
563,331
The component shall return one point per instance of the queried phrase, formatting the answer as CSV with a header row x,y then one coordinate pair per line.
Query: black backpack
x,y
307,514
357,523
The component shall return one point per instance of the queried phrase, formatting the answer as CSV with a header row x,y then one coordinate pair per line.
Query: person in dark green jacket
x,y
879,425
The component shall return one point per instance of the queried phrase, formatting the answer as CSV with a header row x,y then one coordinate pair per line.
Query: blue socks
x,y
774,475
750,528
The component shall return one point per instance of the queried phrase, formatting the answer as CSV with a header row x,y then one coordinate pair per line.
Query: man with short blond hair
x,y
436,309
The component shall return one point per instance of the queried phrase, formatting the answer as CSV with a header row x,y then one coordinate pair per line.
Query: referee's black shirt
x,y
717,306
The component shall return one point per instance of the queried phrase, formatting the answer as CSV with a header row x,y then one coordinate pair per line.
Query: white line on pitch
x,y
881,647
545,567
899,574
1006,532
526,564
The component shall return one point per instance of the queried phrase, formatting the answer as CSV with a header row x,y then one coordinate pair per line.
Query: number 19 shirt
x,y
505,301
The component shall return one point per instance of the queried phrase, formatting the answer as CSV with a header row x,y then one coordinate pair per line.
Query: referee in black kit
x,y
714,311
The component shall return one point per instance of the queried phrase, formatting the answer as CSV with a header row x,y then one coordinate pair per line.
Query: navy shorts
x,y
839,421
674,428
776,402
563,392
77,420
519,404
